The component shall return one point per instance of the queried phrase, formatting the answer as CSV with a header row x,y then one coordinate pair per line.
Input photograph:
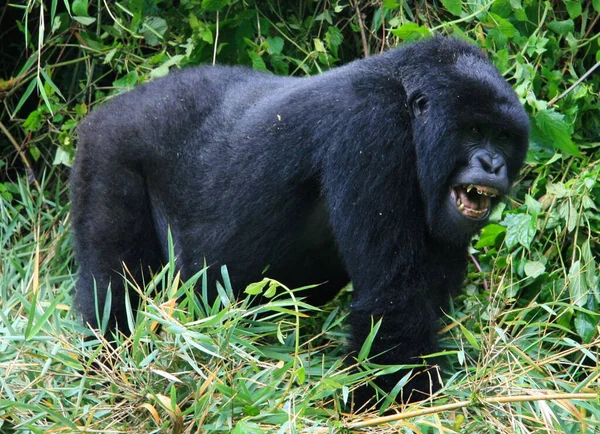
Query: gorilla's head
x,y
471,136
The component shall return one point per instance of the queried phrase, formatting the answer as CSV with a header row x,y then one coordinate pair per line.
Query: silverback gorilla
x,y
378,172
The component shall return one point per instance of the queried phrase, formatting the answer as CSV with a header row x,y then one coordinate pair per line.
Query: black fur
x,y
337,177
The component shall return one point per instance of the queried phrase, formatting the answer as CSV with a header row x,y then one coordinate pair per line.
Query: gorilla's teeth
x,y
474,212
475,206
487,191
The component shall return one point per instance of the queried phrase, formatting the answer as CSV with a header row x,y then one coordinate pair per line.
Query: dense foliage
x,y
524,333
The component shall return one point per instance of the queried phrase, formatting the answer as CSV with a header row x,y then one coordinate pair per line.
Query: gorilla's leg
x,y
112,225
409,323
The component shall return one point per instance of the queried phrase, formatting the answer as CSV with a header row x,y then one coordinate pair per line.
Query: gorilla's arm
x,y
399,273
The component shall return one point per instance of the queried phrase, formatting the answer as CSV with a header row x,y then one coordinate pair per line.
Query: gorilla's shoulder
x,y
191,90
193,75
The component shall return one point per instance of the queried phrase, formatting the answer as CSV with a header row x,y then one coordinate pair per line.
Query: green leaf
x,y
81,109
206,35
596,5
590,265
33,122
334,37
127,81
159,71
153,30
389,399
470,337
453,6
301,375
501,7
26,95
246,427
272,289
324,16
34,151
61,157
366,346
214,5
32,328
53,10
279,64
489,235
537,45
569,212
275,44
250,410
557,189
51,83
502,24
411,32
585,326
86,21
574,8
521,15
280,336
577,285
193,21
502,62
555,131
28,64
80,7
256,287
391,4
520,229
497,37
562,28
516,4
44,95
533,206
257,62
319,47
534,269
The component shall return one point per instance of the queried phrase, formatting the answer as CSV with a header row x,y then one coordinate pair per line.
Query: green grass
x,y
236,366
519,347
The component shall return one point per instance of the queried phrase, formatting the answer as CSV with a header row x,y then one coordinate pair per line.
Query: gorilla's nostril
x,y
497,165
486,162
492,165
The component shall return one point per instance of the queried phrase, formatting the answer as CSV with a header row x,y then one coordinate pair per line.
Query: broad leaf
x,y
520,229
214,5
556,131
453,6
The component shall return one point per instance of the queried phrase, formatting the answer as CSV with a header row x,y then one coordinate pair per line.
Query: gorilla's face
x,y
470,142
476,187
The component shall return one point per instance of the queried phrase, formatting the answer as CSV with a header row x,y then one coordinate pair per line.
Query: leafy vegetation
x,y
520,344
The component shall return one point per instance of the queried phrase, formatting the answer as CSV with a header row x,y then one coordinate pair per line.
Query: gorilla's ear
x,y
418,105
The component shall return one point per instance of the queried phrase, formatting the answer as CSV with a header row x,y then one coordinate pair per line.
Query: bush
x,y
521,342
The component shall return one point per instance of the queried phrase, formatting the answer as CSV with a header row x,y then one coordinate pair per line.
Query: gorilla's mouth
x,y
472,200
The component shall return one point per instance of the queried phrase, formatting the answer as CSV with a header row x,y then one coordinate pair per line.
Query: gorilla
x,y
378,172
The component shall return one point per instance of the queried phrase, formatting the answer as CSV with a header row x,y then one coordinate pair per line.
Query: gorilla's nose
x,y
491,164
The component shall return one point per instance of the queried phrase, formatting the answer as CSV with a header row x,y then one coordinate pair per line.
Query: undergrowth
x,y
519,346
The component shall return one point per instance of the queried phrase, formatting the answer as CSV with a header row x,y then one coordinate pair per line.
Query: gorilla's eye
x,y
419,105
503,136
476,132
